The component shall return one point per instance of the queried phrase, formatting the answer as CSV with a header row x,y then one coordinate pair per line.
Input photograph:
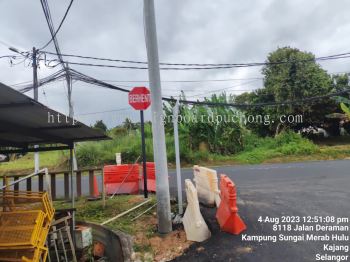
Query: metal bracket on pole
x,y
177,153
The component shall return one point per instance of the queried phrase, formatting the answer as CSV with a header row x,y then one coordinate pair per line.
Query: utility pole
x,y
177,154
160,156
36,98
71,110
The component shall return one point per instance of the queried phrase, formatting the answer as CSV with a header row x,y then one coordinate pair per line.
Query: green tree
x,y
100,125
290,75
128,124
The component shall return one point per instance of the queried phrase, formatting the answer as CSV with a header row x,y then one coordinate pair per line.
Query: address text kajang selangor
x,y
331,232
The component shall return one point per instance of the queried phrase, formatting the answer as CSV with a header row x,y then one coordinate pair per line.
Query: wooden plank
x,y
66,186
53,187
78,174
91,183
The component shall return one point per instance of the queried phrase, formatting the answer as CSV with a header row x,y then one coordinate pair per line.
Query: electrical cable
x,y
60,25
199,66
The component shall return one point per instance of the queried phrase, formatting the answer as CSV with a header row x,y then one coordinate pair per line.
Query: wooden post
x,y
29,184
78,173
91,183
66,186
15,186
53,186
41,182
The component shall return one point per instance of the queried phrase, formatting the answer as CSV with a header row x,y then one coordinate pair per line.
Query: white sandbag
x,y
195,227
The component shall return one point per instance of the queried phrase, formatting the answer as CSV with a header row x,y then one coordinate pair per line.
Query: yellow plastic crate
x,y
22,228
27,200
24,255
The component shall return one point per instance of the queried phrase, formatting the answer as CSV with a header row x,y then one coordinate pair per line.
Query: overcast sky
x,y
189,31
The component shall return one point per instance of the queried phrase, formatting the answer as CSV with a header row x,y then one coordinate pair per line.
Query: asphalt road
x,y
297,189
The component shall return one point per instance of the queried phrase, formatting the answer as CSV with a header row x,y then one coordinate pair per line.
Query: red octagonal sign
x,y
140,98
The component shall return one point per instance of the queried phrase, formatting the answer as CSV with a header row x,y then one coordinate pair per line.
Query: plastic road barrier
x,y
121,179
195,227
151,176
96,193
227,213
206,180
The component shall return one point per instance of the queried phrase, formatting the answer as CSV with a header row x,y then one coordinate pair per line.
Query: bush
x,y
287,143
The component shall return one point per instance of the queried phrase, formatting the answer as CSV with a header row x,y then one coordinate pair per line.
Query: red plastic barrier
x,y
227,213
151,176
96,193
121,179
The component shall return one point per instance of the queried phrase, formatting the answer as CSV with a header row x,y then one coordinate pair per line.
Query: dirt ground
x,y
156,247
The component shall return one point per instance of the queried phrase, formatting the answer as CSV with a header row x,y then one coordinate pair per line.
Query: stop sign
x,y
140,98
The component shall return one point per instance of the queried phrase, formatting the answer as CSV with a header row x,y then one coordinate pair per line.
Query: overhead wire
x,y
60,25
193,66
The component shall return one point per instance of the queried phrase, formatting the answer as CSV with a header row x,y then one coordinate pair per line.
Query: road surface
x,y
298,189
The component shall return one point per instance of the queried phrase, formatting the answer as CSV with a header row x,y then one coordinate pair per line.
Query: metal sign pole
x,y
145,189
177,153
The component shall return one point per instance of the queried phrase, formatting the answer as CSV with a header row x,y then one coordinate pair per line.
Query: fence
x,y
56,177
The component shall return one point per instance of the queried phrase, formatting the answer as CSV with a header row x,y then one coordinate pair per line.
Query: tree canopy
x,y
291,75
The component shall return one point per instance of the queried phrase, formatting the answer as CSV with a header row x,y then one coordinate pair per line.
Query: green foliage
x,y
100,125
52,159
286,143
288,79
345,109
207,127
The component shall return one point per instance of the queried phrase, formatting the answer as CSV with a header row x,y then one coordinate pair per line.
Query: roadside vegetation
x,y
148,245
220,134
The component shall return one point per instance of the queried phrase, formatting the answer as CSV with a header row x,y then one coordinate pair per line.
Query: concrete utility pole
x,y
36,98
71,111
160,156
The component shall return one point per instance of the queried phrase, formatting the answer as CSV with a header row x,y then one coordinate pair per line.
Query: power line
x,y
87,79
185,81
206,103
223,89
197,66
106,111
59,27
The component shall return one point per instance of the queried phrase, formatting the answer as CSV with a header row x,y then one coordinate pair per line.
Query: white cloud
x,y
188,31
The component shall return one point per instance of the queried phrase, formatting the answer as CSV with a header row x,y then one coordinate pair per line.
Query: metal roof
x,y
25,122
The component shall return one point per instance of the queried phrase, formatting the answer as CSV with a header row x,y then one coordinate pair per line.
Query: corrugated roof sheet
x,y
25,122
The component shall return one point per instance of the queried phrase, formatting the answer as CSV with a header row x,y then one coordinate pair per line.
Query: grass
x,y
286,147
53,160
148,244
93,211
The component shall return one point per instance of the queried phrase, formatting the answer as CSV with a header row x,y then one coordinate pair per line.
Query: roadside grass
x,y
147,243
52,160
93,211
287,147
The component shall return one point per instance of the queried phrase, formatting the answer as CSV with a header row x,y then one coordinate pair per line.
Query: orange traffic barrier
x,y
151,176
227,213
96,192
121,179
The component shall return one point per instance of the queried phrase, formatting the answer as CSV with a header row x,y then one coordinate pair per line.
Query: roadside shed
x,y
25,123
